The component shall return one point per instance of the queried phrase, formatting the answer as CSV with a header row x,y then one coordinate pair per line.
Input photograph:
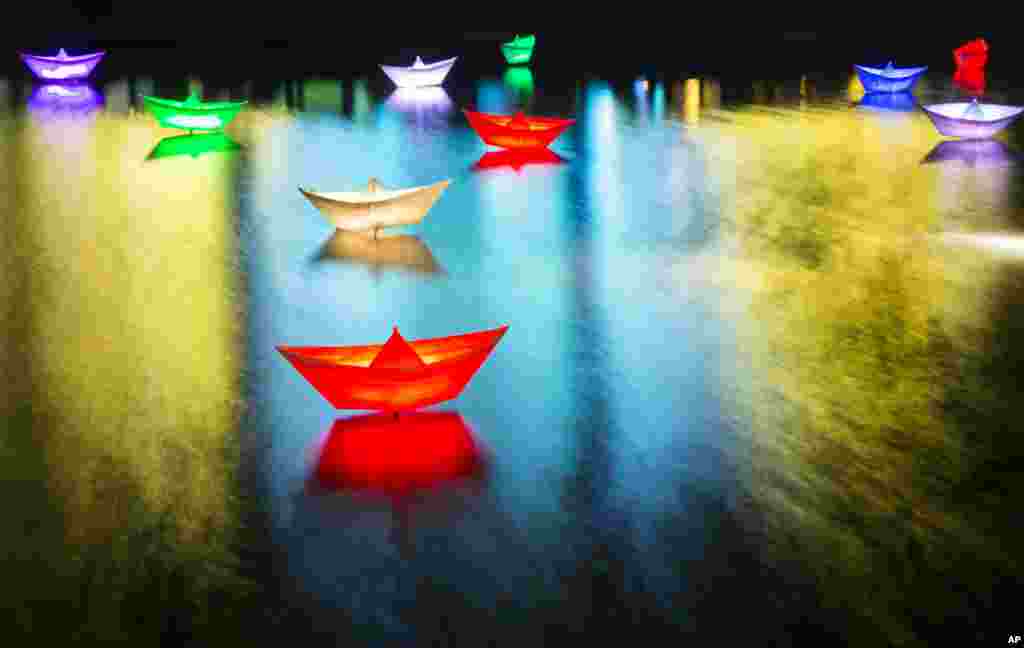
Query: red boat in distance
x,y
971,59
378,455
397,375
517,131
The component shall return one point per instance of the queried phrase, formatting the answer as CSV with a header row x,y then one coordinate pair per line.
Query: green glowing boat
x,y
519,49
193,114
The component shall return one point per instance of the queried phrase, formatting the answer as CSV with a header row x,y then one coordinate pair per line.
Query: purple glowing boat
x,y
62,67
889,78
971,119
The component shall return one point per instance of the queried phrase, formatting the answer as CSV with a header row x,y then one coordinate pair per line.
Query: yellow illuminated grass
x,y
134,340
857,326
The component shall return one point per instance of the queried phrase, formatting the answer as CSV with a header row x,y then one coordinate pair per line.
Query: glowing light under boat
x,y
1002,243
65,72
195,121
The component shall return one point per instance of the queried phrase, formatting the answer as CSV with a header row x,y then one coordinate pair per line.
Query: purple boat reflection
x,y
972,152
62,67
971,119
889,78
424,106
67,99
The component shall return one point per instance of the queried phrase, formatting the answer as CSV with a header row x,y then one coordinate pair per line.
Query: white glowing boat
x,y
419,74
376,207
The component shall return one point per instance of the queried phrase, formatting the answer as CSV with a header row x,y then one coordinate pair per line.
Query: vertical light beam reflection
x,y
491,97
658,102
691,101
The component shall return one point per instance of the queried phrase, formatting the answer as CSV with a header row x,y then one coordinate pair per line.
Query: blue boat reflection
x,y
889,101
60,99
975,153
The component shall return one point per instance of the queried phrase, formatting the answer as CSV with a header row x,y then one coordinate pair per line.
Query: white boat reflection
x,y
386,252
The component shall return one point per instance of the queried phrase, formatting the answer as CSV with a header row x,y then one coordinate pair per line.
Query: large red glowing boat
x,y
517,131
397,375
377,454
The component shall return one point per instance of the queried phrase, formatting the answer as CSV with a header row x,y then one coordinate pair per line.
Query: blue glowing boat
x,y
889,78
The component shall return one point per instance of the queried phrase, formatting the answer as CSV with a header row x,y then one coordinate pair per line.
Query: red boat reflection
x,y
395,376
517,158
398,456
517,131
970,59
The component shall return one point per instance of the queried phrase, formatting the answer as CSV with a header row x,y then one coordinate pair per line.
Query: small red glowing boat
x,y
517,131
971,59
397,375
380,455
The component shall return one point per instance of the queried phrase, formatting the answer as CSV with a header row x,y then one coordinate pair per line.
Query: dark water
x,y
757,384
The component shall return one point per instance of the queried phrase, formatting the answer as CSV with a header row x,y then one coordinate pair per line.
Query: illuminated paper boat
x,y
975,153
193,114
193,145
519,49
419,74
889,78
971,80
517,158
397,375
517,131
56,99
376,454
889,101
376,207
402,251
971,55
970,119
62,67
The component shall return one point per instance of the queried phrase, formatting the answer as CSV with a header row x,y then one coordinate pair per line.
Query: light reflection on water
x,y
710,309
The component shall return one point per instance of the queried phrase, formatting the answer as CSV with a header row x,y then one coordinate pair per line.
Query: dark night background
x,y
308,41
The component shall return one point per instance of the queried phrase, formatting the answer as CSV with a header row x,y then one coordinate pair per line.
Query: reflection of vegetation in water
x,y
123,456
866,337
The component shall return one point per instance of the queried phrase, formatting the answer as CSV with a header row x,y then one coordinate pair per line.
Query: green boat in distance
x,y
193,145
519,50
193,114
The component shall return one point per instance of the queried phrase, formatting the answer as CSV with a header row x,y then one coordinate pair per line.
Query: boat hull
x,y
968,128
332,372
428,76
73,68
493,131
875,82
516,55
407,209
190,118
